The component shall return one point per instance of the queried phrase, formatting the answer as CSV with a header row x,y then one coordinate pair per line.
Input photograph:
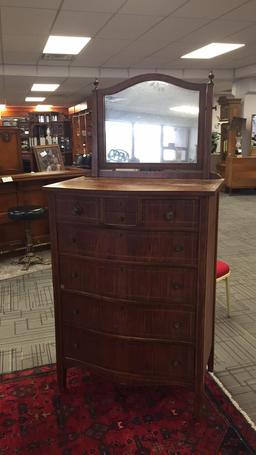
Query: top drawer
x,y
77,208
120,211
170,213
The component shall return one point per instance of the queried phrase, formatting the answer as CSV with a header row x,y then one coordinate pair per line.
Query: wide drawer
x,y
136,320
179,247
77,208
170,213
156,359
129,281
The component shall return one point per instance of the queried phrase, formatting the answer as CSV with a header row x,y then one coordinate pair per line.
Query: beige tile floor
x,y
27,318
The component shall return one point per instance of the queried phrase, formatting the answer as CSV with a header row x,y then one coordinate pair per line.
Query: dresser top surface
x,y
137,185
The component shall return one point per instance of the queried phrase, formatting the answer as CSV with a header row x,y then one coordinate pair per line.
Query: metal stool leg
x,y
227,296
29,258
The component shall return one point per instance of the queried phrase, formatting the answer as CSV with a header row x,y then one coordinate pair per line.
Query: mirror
x,y
152,122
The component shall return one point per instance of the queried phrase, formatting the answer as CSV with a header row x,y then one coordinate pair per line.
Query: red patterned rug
x,y
99,418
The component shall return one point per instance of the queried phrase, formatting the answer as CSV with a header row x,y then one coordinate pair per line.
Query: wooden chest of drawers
x,y
134,278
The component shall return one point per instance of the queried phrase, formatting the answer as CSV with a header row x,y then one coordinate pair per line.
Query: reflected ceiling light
x,y
34,98
43,107
2,107
44,87
193,110
71,45
212,50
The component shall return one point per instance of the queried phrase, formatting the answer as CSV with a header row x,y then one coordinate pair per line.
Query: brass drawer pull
x,y
76,345
175,363
75,312
122,219
77,210
74,275
177,286
178,248
169,215
73,240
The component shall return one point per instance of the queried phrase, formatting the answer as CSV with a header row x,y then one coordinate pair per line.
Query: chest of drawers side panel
x,y
61,372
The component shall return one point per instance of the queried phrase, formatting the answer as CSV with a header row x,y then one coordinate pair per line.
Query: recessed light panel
x,y
213,50
43,107
65,44
34,98
44,87
192,110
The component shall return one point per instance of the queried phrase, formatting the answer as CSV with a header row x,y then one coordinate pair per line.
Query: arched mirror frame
x,y
200,169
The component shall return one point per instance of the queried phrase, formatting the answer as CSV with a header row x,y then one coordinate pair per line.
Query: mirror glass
x,y
152,122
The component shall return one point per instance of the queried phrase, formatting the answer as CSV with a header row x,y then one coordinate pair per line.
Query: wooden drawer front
x,y
120,205
77,208
138,357
175,285
120,211
145,321
170,213
179,247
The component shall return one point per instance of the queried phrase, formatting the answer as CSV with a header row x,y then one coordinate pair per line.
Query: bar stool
x,y
28,213
223,273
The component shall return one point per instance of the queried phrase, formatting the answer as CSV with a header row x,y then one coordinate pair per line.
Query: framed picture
x,y
48,158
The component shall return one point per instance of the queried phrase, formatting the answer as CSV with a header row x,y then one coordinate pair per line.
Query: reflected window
x,y
147,143
118,141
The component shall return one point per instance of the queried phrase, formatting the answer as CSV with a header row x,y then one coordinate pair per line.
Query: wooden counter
x,y
22,190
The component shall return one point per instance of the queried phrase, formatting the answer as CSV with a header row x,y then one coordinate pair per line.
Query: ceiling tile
x,y
98,51
246,12
79,23
45,4
173,29
154,8
207,8
96,6
127,26
17,20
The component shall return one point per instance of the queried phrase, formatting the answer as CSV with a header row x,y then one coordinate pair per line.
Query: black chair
x,y
28,213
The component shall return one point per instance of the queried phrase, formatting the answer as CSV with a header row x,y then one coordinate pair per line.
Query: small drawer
x,y
144,321
119,205
151,359
161,284
120,218
170,213
77,208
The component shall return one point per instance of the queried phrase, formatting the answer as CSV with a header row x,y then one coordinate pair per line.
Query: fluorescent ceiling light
x,y
43,107
193,110
35,98
2,107
44,87
212,50
71,45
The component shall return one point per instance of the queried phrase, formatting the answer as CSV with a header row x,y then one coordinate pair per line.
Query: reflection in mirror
x,y
152,122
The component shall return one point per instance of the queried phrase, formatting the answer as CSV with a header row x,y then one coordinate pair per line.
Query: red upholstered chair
x,y
223,273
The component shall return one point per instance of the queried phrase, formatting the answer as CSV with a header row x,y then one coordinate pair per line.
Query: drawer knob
x,y
76,345
177,286
122,219
175,363
169,215
77,210
75,312
73,240
74,275
178,248
176,325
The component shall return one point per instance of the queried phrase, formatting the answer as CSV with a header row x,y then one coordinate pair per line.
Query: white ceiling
x,y
128,37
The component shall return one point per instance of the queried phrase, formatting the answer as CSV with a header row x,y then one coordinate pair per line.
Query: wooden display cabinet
x,y
10,151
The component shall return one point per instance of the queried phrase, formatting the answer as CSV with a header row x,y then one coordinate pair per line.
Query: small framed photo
x,y
48,158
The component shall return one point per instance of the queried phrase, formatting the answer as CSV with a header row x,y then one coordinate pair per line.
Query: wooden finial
x,y
96,84
211,77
